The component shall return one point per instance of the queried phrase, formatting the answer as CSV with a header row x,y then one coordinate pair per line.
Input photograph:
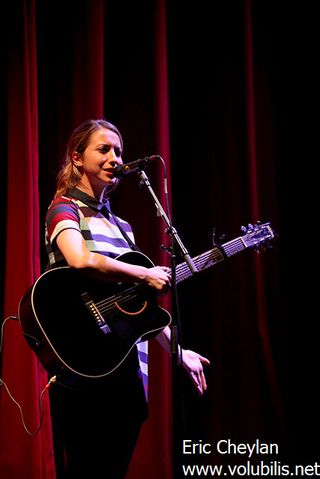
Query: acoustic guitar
x,y
79,326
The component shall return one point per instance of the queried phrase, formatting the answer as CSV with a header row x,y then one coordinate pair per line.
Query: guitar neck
x,y
210,258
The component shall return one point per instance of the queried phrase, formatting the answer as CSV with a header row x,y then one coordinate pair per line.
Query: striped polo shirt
x,y
102,235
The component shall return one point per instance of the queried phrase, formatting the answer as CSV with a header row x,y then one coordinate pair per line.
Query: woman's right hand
x,y
159,277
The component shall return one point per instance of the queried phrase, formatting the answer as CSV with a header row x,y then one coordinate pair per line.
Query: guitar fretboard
x,y
234,246
202,262
210,258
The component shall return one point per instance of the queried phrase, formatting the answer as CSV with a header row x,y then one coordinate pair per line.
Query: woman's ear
x,y
76,159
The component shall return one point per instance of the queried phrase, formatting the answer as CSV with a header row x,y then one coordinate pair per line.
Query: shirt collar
x,y
87,199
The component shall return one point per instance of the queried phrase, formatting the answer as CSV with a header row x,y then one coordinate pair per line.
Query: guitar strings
x,y
203,261
233,247
108,304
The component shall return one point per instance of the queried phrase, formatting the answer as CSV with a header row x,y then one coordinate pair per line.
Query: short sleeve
x,y
62,214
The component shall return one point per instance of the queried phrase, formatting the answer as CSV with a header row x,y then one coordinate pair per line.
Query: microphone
x,y
133,167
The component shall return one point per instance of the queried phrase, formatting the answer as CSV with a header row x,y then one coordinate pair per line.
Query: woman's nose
x,y
114,159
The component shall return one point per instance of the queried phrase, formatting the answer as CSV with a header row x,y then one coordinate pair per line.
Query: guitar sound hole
x,y
131,308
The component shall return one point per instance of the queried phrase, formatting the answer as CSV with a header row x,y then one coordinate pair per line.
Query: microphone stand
x,y
174,345
170,229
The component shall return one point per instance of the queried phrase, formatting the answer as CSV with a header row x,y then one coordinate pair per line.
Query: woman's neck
x,y
98,194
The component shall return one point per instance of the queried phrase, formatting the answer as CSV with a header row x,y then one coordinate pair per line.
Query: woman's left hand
x,y
193,364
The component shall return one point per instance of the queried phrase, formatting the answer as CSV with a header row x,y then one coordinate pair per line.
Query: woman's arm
x,y
73,247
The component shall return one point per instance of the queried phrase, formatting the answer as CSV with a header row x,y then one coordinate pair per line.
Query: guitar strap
x,y
107,213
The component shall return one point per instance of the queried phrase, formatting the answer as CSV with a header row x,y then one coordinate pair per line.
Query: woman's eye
x,y
117,152
104,149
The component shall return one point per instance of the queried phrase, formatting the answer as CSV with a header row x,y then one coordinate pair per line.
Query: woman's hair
x,y
69,175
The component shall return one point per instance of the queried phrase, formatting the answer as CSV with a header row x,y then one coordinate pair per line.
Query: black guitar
x,y
87,328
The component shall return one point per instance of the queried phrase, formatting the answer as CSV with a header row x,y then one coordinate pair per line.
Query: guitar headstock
x,y
258,235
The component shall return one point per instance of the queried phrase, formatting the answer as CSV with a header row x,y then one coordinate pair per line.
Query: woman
x,y
96,424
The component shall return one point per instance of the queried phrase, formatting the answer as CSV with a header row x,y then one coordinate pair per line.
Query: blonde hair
x,y
69,176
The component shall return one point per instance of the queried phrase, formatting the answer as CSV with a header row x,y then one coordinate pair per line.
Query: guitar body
x,y
79,326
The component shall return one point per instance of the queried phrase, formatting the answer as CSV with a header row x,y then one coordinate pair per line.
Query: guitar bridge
x,y
95,313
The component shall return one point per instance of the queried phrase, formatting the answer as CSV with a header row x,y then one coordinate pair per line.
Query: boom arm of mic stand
x,y
145,180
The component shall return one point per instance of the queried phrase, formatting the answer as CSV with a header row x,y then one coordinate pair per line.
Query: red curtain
x,y
255,208
155,445
22,455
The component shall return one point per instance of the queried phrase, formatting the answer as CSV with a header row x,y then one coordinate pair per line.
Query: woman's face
x,y
96,163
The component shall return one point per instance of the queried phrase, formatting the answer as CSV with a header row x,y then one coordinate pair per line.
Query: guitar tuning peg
x,y
243,229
